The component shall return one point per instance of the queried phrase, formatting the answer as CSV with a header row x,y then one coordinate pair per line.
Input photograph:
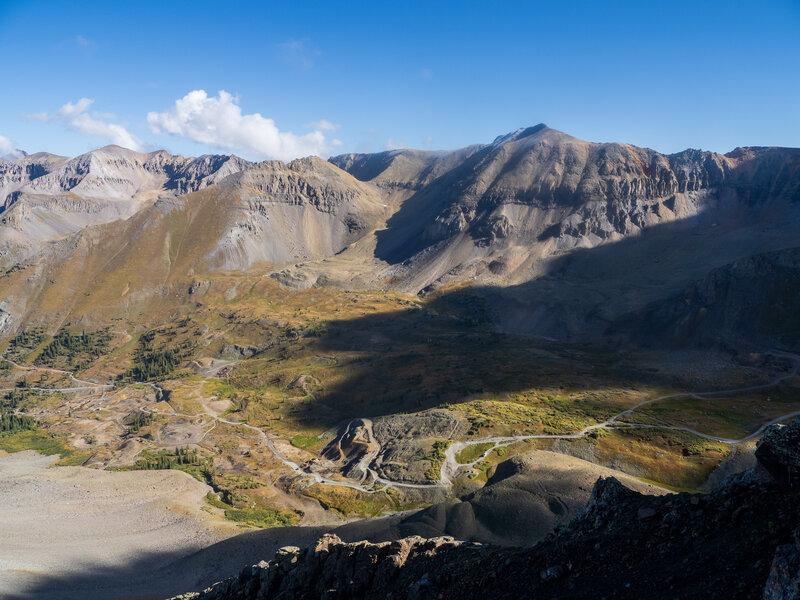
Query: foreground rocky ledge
x,y
740,541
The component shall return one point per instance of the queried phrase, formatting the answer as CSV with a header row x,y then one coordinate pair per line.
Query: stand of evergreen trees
x,y
14,398
150,363
140,419
13,423
183,456
65,343
154,365
21,344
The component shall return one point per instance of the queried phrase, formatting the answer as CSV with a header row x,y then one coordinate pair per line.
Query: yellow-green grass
x,y
545,411
304,441
732,417
436,459
675,459
43,443
472,452
354,503
254,517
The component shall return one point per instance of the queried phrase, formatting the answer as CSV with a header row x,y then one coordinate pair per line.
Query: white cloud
x,y
428,142
6,147
75,117
323,125
82,41
218,121
70,110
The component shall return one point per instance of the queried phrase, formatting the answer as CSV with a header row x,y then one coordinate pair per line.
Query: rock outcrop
x,y
537,192
778,452
280,213
113,173
784,575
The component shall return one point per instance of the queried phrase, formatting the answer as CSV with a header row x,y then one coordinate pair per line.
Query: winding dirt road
x,y
450,465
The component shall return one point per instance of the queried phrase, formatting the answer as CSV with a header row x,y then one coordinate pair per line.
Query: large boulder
x,y
779,453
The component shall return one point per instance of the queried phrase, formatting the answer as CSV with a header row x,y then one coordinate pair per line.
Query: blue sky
x,y
355,77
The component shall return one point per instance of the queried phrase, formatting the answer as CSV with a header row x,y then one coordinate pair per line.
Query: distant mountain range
x,y
563,238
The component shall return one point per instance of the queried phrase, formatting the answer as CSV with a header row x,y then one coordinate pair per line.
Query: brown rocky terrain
x,y
330,340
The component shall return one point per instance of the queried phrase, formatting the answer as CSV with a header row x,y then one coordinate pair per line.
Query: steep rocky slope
x,y
271,212
43,197
500,213
754,300
736,542
562,238
307,208
526,497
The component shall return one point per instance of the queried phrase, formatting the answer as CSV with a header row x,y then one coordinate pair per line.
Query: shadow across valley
x,y
567,329
443,351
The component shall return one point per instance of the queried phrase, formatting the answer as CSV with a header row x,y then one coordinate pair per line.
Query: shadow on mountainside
x,y
567,330
413,227
445,351
612,292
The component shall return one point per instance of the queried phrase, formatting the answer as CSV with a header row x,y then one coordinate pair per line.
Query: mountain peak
x,y
114,150
521,133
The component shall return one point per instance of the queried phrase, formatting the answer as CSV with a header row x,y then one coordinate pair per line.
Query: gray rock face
x,y
44,197
537,193
114,173
279,213
778,452
6,317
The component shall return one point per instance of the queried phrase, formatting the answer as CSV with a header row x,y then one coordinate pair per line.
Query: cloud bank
x,y
218,121
76,118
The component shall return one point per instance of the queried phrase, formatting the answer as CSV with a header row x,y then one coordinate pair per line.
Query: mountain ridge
x,y
524,219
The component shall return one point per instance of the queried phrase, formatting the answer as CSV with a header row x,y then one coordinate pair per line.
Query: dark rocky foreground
x,y
740,541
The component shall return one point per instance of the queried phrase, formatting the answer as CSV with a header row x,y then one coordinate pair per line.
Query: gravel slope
x,y
63,521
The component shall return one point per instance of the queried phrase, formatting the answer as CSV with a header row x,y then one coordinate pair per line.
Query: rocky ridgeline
x,y
113,173
45,197
740,541
538,184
